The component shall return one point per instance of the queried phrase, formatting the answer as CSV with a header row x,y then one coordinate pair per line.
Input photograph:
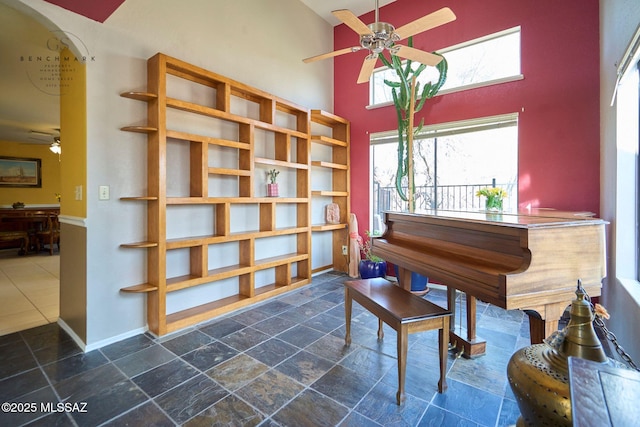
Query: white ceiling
x,y
29,110
358,7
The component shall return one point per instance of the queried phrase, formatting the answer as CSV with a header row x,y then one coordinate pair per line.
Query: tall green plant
x,y
402,91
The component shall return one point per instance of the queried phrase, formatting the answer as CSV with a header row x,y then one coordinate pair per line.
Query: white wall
x,y
621,294
260,43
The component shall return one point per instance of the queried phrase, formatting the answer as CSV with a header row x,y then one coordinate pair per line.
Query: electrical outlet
x,y
344,249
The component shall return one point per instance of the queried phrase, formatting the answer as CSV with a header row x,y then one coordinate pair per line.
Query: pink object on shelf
x,y
272,190
333,213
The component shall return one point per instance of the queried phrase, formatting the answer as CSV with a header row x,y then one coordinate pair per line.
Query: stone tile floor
x,y
280,363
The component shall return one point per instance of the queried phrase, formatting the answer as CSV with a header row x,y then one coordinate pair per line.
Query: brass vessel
x,y
539,374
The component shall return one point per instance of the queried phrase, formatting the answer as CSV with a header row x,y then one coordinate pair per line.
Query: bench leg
x,y
402,362
443,347
347,316
380,331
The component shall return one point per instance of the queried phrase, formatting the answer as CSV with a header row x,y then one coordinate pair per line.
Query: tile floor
x,y
29,290
280,363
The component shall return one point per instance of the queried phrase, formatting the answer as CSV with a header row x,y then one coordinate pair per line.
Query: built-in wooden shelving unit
x,y
247,131
333,132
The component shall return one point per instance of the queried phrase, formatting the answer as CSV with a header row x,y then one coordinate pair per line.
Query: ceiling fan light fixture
x,y
55,146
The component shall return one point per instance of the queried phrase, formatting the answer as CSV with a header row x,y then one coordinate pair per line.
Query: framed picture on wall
x,y
20,172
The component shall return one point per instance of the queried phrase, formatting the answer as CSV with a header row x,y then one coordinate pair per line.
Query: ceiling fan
x,y
378,36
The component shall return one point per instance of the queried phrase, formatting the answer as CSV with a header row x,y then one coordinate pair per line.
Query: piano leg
x,y
471,345
543,320
404,278
471,317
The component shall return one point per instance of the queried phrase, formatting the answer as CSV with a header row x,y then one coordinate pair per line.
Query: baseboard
x,y
94,346
72,334
111,340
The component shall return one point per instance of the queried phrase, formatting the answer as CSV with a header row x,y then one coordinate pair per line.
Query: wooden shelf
x,y
145,287
233,200
140,129
328,227
189,242
236,172
200,313
139,96
192,137
325,140
222,115
329,165
328,119
280,260
139,198
188,281
140,245
191,150
330,193
280,163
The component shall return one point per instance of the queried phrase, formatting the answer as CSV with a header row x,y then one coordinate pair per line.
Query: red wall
x,y
558,99
96,10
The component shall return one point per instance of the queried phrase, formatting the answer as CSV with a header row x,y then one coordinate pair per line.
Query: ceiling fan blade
x,y
427,22
417,55
352,21
367,68
332,54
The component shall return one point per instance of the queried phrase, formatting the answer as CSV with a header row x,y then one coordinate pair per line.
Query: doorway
x,y
29,284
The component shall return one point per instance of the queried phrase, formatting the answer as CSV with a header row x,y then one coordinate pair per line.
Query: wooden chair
x,y
50,234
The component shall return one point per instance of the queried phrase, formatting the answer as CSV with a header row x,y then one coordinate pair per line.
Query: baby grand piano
x,y
530,260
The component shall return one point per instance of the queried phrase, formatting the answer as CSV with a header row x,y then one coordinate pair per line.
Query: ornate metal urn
x,y
539,374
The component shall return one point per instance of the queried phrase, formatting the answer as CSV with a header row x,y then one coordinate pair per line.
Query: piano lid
x,y
524,218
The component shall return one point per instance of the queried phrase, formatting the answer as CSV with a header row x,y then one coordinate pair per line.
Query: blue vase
x,y
418,281
370,269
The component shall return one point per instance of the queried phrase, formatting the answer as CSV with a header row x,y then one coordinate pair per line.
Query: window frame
x,y
434,131
458,46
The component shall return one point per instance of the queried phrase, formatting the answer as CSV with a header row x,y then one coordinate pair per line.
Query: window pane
x,y
448,171
491,58
482,62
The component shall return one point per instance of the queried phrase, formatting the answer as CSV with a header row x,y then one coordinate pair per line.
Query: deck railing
x,y
445,197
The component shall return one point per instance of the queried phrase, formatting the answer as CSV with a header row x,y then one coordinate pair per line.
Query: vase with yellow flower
x,y
494,196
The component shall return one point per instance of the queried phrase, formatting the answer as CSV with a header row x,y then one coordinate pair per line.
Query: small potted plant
x,y
272,185
371,265
18,205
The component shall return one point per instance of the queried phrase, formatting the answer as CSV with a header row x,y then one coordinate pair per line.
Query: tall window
x,y
491,59
452,161
628,170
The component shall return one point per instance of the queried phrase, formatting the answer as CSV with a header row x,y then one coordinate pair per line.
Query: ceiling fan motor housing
x,y
383,37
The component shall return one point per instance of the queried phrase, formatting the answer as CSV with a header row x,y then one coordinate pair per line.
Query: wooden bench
x,y
405,313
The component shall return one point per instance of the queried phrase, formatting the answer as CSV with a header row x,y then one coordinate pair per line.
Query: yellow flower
x,y
494,192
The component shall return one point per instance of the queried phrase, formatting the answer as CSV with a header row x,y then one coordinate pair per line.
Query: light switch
x,y
103,192
78,192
